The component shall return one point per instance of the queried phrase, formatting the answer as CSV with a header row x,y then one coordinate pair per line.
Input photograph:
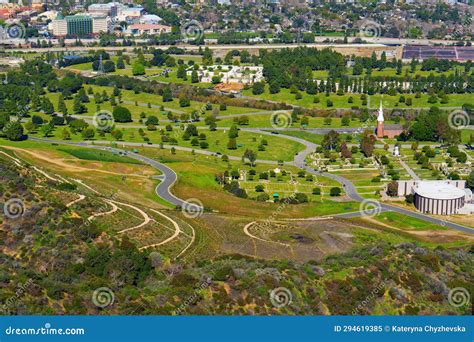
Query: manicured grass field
x,y
266,121
406,223
455,100
277,148
322,74
104,156
308,136
145,98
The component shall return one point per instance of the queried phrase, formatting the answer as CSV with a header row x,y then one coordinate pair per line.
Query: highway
x,y
319,42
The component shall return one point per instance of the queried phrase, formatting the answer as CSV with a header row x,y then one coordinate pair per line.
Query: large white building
x,y
230,73
100,25
147,29
130,14
438,197
103,10
79,25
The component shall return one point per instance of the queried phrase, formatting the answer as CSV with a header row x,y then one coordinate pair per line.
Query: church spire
x,y
380,117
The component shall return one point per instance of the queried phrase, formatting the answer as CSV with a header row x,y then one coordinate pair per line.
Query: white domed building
x,y
438,198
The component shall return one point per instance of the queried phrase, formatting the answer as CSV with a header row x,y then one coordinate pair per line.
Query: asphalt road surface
x,y
169,178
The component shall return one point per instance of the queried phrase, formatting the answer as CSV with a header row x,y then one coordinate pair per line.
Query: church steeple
x,y
380,120
380,117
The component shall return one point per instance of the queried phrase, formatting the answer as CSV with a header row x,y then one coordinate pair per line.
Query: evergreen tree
x,y
62,108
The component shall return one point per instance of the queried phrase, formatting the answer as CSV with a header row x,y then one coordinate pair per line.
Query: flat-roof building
x,y
79,25
103,10
147,29
436,197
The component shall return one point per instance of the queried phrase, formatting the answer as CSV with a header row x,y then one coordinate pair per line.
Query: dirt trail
x,y
246,231
146,218
177,231
81,197
113,210
63,165
17,161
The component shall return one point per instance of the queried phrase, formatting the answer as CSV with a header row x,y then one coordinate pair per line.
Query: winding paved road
x,y
169,178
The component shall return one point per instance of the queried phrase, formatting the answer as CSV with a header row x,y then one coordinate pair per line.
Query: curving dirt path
x,y
15,160
193,238
246,231
177,231
81,197
44,173
85,185
105,213
146,218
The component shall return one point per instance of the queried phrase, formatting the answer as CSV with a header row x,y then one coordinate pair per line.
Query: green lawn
x,y
104,156
265,121
391,72
308,136
277,148
406,222
145,98
455,100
